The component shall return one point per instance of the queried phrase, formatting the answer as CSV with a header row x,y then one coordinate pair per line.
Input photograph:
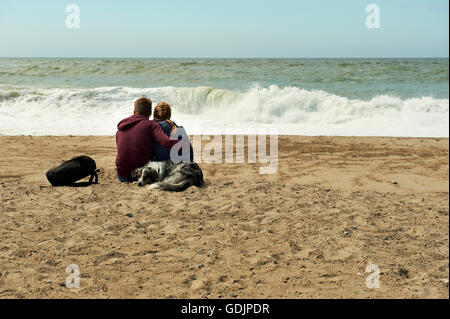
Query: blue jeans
x,y
124,179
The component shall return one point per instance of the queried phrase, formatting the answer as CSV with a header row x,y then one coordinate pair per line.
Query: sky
x,y
224,29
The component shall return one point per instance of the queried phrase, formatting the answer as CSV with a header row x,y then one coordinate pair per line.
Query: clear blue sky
x,y
219,28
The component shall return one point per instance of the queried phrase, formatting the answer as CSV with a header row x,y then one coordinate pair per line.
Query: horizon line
x,y
255,58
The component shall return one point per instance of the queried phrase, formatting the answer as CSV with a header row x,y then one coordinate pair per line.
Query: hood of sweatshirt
x,y
131,121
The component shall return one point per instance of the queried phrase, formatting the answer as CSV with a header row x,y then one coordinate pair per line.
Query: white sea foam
x,y
57,111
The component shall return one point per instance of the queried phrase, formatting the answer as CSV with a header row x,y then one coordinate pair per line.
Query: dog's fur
x,y
169,176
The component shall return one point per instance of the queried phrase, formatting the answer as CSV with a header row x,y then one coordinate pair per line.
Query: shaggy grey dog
x,y
169,176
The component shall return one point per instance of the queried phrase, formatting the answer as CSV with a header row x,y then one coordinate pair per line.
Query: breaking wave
x,y
69,111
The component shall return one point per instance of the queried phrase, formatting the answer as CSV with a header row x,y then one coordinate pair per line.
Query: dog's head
x,y
146,176
136,174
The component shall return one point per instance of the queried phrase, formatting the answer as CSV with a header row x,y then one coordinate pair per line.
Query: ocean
x,y
335,97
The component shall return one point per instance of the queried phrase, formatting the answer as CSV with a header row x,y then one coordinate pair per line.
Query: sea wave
x,y
64,111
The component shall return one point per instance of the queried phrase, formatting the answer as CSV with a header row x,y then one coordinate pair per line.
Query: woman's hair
x,y
163,113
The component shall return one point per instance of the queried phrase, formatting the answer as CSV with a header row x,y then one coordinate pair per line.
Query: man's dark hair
x,y
143,106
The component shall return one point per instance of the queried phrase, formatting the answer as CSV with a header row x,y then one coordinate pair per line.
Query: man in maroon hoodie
x,y
134,140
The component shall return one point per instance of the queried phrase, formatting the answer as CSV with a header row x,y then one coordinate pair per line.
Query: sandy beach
x,y
309,231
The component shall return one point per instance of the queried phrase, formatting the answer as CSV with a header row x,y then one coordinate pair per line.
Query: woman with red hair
x,y
162,115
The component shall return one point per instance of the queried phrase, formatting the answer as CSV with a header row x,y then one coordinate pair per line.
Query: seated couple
x,y
140,140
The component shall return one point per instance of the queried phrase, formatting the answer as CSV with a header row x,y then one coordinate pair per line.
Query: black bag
x,y
73,170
